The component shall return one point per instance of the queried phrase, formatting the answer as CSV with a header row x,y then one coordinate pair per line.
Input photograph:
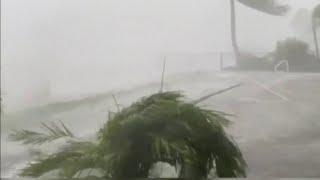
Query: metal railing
x,y
282,62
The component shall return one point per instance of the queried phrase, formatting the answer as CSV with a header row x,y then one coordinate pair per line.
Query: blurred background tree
x,y
298,55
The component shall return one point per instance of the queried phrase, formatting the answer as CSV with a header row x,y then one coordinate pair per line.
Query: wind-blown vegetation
x,y
53,132
271,7
161,127
298,55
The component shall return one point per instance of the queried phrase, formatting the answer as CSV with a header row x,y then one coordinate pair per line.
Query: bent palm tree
x,y
267,6
161,127
315,25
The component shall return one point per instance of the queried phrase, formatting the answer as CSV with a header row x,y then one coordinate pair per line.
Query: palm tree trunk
x,y
234,31
315,36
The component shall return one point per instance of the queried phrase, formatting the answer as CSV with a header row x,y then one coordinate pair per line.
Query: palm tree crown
x,y
271,7
161,127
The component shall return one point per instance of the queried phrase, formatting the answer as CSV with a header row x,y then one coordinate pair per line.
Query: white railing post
x,y
280,63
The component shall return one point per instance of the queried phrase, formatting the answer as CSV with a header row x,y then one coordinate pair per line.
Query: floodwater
x,y
276,118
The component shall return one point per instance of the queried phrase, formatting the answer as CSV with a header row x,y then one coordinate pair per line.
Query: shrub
x,y
249,61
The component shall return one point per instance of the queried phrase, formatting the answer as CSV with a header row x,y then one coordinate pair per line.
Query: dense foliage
x,y
249,61
161,127
298,54
292,50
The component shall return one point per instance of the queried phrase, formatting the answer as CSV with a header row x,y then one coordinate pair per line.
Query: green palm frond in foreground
x,y
161,127
53,132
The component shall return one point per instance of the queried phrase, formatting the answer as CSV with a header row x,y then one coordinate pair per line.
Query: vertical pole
x,y
315,38
162,76
116,102
236,50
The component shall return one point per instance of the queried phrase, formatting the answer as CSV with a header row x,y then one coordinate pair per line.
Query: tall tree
x,y
271,7
315,25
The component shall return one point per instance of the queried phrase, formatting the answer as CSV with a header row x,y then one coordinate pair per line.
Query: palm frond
x,y
42,166
215,93
161,127
36,138
272,7
88,160
76,156
316,16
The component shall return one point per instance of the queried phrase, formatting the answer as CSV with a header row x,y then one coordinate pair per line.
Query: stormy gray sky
x,y
56,49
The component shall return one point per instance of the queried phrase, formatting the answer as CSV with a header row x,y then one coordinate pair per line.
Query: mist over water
x,y
58,48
